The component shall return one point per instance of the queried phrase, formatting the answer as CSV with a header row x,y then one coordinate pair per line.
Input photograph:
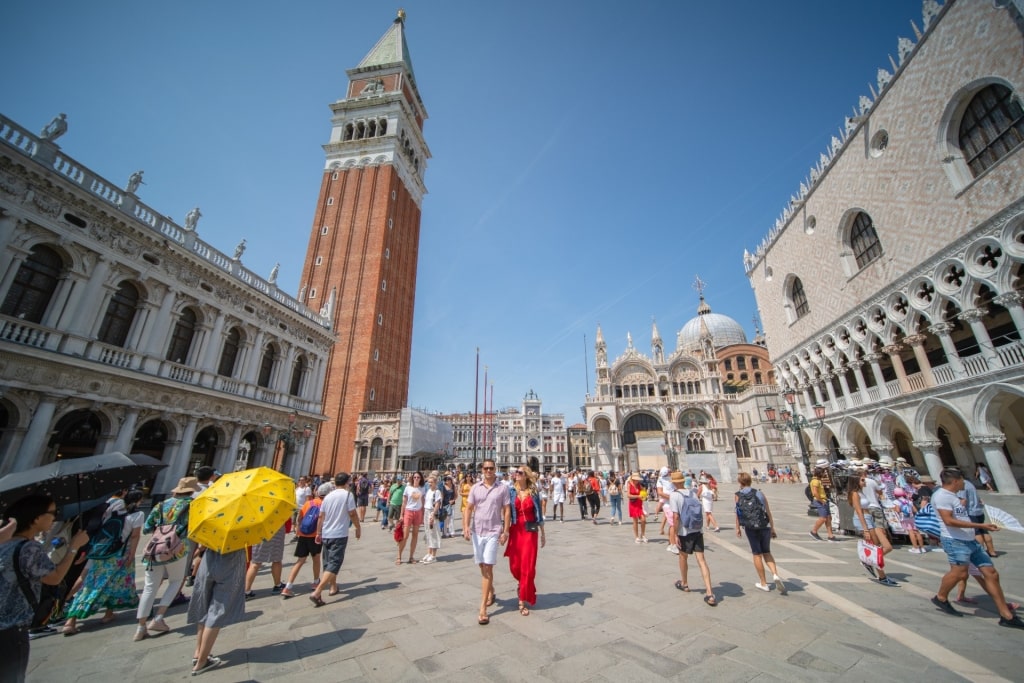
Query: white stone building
x,y
699,407
530,432
890,287
122,330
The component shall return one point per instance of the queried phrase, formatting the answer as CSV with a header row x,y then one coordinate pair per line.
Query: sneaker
x,y
814,535
250,595
1015,622
833,539
158,626
673,549
179,599
643,539
278,588
286,593
140,634
637,540
190,581
944,606
211,663
888,582
761,587
869,569
779,585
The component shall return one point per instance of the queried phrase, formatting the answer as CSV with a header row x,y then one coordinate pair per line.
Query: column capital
x,y
987,439
873,357
848,451
942,329
915,339
973,315
1007,299
927,445
893,349
854,364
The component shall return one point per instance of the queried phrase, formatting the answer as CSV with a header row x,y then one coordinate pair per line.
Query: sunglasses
x,y
487,469
520,472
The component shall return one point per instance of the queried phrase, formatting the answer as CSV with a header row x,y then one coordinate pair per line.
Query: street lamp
x,y
286,438
794,422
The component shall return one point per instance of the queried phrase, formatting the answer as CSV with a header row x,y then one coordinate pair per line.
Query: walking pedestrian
x,y
635,495
864,522
707,498
690,540
411,516
217,601
337,515
525,525
615,498
754,516
963,549
819,498
665,487
984,477
557,496
271,551
486,522
306,544
594,494
432,505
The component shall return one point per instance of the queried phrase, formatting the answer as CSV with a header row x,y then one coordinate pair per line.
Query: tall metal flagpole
x,y
484,425
476,405
490,420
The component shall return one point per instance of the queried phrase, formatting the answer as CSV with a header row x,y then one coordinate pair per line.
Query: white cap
x,y
664,471
822,462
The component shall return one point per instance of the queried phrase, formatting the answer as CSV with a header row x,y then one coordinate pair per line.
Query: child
x,y
907,512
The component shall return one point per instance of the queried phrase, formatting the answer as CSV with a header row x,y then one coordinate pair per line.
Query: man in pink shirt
x,y
485,522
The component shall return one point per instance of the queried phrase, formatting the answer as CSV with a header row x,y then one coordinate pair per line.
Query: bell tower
x,y
360,269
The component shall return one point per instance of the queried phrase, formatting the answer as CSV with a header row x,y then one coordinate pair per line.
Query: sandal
x,y
107,618
682,586
484,620
70,630
491,599
317,600
523,609
710,600
398,562
333,592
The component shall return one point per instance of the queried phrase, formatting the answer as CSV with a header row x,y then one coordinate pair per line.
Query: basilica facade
x,y
122,330
697,407
891,286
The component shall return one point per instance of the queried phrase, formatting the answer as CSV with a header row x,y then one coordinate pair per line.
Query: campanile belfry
x,y
360,268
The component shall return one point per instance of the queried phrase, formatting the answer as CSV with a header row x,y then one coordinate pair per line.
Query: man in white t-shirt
x,y
557,495
337,513
665,489
962,550
872,491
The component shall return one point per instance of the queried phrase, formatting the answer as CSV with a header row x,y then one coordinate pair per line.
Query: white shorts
x,y
707,506
485,549
558,498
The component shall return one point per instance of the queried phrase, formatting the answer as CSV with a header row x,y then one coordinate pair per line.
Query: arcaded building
x,y
122,330
890,286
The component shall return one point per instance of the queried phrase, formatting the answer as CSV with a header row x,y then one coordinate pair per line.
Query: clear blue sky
x,y
589,158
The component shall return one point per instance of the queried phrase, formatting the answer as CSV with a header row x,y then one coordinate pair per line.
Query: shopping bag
x,y
870,554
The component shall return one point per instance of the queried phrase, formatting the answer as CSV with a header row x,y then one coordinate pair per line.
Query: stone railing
x,y
49,155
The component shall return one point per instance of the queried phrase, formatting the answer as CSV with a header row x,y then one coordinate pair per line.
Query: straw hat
x,y
678,479
186,485
901,460
635,477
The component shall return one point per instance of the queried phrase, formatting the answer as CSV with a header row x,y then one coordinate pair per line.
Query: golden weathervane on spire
x,y
401,15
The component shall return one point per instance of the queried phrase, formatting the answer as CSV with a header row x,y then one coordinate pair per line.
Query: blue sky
x,y
589,158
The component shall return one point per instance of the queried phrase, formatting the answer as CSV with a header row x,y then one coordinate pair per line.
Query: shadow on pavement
x,y
552,600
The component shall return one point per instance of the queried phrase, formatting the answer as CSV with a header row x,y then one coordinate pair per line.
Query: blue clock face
x,y
532,443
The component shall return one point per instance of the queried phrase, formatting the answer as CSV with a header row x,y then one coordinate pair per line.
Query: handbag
x,y
870,554
399,531
533,527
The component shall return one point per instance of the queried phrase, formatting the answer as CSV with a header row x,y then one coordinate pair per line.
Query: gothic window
x,y
267,365
728,364
741,363
695,443
181,337
757,378
298,372
991,127
799,299
33,286
117,321
864,240
228,354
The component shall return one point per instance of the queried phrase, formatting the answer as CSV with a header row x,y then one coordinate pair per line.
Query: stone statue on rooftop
x,y
55,128
240,249
134,180
192,219
273,273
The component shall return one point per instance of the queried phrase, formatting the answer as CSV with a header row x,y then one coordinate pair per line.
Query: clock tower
x,y
360,269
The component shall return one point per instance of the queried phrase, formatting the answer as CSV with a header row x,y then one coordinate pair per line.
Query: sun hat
x,y
663,472
678,478
821,462
901,460
635,477
186,485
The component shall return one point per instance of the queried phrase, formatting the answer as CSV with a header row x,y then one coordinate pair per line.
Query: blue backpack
x,y
309,520
108,542
691,513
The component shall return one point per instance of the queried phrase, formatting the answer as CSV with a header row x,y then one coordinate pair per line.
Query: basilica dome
x,y
724,330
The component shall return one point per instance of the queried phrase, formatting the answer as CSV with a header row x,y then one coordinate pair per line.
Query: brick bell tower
x,y
360,267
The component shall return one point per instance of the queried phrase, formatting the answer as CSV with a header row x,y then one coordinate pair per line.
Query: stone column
x,y
225,462
8,227
126,432
1012,302
10,263
251,369
845,386
827,381
992,447
85,313
943,331
178,465
876,371
816,388
973,317
862,387
916,342
930,450
893,351
34,444
884,450
154,340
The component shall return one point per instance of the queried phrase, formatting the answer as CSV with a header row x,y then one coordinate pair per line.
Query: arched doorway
x,y
76,435
644,435
204,449
151,439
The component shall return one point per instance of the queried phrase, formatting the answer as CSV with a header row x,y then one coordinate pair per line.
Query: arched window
x,y
228,355
117,321
33,286
695,443
741,363
799,299
298,372
181,337
267,365
992,126
864,240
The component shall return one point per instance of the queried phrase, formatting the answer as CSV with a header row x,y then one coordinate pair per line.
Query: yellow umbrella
x,y
240,509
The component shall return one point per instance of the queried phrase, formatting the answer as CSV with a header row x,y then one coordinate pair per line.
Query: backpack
x,y
364,487
751,511
108,542
309,520
584,488
167,544
691,513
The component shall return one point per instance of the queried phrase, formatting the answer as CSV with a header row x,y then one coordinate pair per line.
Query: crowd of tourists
x,y
78,567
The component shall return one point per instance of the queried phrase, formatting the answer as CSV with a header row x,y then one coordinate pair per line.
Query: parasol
x,y
241,509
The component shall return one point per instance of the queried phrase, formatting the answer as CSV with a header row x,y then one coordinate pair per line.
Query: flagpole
x,y
476,405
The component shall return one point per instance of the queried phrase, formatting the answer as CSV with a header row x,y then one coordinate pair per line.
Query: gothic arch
x,y
929,414
642,421
989,403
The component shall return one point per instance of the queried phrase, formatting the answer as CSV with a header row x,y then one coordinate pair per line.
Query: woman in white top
x,y
544,490
411,515
707,498
557,496
432,527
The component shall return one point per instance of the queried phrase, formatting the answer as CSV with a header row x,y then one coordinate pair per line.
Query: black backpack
x,y
750,511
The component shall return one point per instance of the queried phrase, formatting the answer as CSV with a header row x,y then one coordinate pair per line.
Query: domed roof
x,y
724,330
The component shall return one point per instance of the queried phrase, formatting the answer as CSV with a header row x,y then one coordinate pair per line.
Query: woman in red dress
x,y
527,524
636,507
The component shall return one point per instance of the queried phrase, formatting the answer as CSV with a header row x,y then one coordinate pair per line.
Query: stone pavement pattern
x,y
607,610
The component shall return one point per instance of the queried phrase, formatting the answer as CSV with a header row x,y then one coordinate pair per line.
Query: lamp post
x,y
794,422
287,438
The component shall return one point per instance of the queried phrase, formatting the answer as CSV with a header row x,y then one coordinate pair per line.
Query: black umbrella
x,y
74,480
